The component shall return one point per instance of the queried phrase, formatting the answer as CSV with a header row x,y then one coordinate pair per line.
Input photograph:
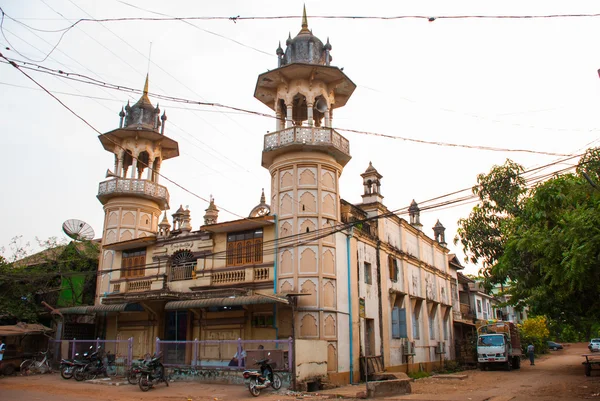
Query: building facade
x,y
344,281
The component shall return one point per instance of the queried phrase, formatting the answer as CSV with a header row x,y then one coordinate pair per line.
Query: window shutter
x,y
402,323
395,323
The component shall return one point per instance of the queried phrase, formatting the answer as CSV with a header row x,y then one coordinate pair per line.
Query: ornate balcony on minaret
x,y
303,91
139,146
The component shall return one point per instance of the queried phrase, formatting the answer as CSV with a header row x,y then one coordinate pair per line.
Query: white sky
x,y
509,83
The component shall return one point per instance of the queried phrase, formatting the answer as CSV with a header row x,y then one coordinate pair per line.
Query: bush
x,y
418,375
451,367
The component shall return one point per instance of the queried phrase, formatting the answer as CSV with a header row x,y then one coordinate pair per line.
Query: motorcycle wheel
x,y
255,391
132,377
145,383
276,382
66,372
79,375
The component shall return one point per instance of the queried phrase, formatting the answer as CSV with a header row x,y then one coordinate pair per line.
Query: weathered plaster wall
x,y
311,359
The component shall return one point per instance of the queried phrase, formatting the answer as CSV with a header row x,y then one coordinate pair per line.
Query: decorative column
x,y
289,116
309,109
149,167
327,118
119,169
157,171
279,123
134,162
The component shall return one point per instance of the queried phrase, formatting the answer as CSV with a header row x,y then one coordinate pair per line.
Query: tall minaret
x,y
132,198
305,157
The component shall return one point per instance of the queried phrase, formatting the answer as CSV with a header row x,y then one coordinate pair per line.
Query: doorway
x,y
369,337
176,326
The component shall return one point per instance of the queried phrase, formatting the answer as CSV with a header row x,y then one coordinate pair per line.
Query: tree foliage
x,y
483,234
535,331
60,273
544,241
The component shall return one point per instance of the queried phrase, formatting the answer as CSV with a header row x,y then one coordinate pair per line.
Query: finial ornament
x,y
146,86
304,19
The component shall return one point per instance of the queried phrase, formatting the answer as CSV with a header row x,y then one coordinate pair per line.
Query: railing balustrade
x,y
306,135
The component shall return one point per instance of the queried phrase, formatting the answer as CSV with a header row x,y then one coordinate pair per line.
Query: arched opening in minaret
x,y
299,109
320,108
282,113
143,162
127,162
155,168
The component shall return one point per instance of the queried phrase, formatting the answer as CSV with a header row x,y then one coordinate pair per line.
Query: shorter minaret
x,y
372,185
439,233
212,213
164,228
178,217
415,215
186,226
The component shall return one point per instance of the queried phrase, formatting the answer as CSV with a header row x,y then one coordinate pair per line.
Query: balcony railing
x,y
125,186
182,272
307,136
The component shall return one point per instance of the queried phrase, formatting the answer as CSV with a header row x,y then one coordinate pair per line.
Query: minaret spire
x,y
304,21
146,86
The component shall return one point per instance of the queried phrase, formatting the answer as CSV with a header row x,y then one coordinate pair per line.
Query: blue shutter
x,y
402,323
395,323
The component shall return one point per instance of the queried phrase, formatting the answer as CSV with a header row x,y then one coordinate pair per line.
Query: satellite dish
x,y
78,230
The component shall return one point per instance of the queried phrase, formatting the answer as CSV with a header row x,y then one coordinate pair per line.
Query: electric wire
x,y
91,81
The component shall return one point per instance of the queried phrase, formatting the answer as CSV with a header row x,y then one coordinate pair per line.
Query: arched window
x,y
183,264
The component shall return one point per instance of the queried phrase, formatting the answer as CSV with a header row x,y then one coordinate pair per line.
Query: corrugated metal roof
x,y
229,301
74,310
88,310
126,307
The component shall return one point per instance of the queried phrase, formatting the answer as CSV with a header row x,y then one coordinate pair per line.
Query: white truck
x,y
499,344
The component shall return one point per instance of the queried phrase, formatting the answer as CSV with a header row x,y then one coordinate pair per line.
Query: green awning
x,y
229,301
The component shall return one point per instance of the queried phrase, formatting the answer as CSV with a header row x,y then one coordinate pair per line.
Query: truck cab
x,y
492,348
498,344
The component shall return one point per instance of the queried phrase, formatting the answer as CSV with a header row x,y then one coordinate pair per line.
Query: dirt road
x,y
557,376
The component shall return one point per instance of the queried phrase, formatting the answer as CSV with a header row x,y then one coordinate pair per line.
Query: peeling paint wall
x,y
311,359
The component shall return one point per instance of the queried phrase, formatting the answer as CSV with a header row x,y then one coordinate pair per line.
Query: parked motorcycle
x,y
92,368
262,378
152,372
68,366
134,373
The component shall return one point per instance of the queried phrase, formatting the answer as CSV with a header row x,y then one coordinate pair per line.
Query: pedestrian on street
x,y
530,352
2,349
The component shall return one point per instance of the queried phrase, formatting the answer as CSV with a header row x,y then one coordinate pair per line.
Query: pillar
x,y
309,109
289,116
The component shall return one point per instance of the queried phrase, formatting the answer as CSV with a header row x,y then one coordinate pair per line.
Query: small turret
x,y
415,215
439,233
372,185
212,213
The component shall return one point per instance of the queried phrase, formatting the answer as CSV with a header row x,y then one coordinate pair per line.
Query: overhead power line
x,y
92,81
114,142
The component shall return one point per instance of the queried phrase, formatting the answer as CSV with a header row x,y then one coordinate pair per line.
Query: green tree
x,y
62,273
483,234
544,241
535,331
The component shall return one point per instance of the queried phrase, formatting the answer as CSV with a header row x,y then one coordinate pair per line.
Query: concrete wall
x,y
311,359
